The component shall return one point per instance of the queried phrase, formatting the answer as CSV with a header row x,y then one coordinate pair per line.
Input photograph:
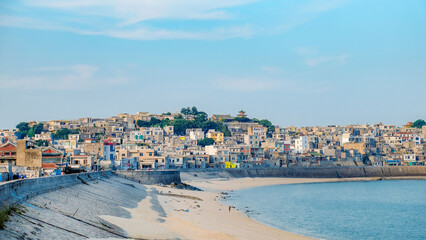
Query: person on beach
x,y
229,208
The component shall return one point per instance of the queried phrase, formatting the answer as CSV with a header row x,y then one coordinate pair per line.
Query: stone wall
x,y
318,172
151,177
17,191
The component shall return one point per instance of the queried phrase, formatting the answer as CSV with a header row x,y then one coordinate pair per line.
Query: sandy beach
x,y
202,215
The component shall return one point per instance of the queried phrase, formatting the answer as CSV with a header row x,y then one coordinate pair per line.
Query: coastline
x,y
186,214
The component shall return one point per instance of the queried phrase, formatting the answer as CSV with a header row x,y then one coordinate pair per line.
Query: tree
x,y
242,119
205,142
31,133
38,128
185,111
419,123
206,126
226,132
265,123
23,128
201,117
180,126
165,122
194,110
64,132
42,143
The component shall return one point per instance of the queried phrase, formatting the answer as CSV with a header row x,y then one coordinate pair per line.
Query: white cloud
x,y
271,69
323,6
138,19
259,84
245,84
153,34
315,61
312,58
59,78
133,11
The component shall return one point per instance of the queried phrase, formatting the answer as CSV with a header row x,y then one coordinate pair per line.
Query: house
x,y
301,144
216,136
252,140
109,155
195,133
8,153
221,118
257,130
83,161
7,160
50,157
28,155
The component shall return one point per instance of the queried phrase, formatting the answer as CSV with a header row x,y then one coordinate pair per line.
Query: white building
x,y
195,133
301,144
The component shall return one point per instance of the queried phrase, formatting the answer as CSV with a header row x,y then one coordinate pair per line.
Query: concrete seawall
x,y
151,177
17,191
317,172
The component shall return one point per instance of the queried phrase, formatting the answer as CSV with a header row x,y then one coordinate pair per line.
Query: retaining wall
x,y
16,191
317,172
151,177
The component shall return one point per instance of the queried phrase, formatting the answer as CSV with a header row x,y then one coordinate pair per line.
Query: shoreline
x,y
170,213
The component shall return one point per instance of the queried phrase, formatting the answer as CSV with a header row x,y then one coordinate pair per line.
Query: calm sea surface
x,y
349,210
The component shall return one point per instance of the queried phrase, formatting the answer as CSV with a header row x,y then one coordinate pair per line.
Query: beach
x,y
201,214
112,207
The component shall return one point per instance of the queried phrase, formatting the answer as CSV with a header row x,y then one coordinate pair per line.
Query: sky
x,y
294,62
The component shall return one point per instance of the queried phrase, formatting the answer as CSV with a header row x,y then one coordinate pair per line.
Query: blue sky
x,y
295,62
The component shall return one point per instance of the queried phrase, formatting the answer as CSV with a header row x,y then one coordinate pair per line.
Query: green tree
x,y
194,110
63,133
31,133
205,142
185,111
42,143
242,119
201,117
226,132
265,123
419,123
165,122
23,128
38,128
180,126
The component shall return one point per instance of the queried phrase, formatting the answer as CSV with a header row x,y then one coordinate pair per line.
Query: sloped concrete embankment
x,y
317,172
17,191
151,177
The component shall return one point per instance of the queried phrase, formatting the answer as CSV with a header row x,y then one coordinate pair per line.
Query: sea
x,y
388,209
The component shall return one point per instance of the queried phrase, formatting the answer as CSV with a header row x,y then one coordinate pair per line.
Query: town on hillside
x,y
192,139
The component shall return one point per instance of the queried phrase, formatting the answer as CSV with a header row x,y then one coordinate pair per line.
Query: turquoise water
x,y
348,210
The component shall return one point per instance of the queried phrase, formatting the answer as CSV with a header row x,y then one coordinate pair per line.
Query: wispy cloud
x,y
59,78
318,6
315,61
264,84
271,69
245,84
313,58
144,19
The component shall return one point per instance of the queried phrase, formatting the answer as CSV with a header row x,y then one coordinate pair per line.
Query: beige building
x,y
145,157
27,155
216,136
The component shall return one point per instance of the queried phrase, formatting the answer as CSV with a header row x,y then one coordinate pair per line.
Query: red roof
x,y
49,151
8,147
48,165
